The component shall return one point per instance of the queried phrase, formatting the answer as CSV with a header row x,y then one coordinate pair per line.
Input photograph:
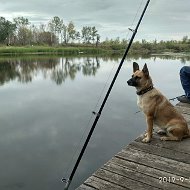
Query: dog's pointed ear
x,y
145,70
135,66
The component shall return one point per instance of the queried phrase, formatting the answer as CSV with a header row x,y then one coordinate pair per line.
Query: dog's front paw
x,y
146,140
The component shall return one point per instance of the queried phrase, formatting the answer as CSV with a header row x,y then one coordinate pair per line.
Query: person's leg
x,y
185,82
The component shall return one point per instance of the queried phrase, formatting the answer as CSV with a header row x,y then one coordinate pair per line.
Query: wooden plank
x,y
160,151
127,183
98,183
146,170
183,104
149,179
154,161
183,110
182,146
187,118
85,187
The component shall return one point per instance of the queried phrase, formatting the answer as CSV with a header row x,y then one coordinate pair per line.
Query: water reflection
x,y
58,69
41,122
182,58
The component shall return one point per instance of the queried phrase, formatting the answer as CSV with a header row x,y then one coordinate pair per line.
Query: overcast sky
x,y
164,19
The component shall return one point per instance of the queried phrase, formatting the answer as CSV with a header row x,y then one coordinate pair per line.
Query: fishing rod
x,y
98,114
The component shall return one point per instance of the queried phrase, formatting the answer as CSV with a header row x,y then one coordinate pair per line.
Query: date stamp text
x,y
173,179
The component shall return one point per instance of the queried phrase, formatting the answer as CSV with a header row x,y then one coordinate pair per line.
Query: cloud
x,y
112,18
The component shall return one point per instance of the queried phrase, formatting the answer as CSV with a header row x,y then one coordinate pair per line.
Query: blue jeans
x,y
185,80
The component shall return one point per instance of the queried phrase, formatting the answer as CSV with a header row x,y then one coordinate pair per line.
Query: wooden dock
x,y
147,166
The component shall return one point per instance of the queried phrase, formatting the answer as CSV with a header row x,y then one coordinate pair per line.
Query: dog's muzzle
x,y
132,82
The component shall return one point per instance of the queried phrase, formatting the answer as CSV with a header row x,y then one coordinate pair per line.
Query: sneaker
x,y
183,99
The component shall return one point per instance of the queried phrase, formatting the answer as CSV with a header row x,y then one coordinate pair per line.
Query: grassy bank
x,y
50,50
84,50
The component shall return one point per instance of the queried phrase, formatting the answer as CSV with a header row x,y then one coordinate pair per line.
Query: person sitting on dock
x,y
185,82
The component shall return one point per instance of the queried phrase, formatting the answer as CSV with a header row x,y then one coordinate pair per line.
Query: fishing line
x,y
132,23
106,83
68,181
138,10
77,148
89,121
98,101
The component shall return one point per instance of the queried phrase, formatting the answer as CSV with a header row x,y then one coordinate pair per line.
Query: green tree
x,y
51,29
78,36
7,28
97,39
64,33
56,26
86,34
46,38
94,33
185,39
23,32
71,32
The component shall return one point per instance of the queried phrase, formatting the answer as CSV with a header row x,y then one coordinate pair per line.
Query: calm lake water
x,y
46,104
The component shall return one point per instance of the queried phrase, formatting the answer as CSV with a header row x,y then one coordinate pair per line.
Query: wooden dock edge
x,y
146,166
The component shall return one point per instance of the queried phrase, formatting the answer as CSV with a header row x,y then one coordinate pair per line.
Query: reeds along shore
x,y
50,50
145,48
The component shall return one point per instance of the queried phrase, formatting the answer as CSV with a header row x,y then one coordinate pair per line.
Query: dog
x,y
156,108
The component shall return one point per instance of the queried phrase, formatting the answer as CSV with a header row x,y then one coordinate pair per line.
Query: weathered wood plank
x,y
84,187
183,110
154,161
127,183
160,151
98,183
146,170
182,146
187,118
151,180
183,104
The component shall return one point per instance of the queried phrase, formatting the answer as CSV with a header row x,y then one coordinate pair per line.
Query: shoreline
x,y
181,54
78,50
39,50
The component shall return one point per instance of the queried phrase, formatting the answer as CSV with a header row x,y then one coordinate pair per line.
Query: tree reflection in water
x,y
58,69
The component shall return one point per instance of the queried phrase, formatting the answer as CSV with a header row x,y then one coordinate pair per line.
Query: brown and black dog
x,y
157,109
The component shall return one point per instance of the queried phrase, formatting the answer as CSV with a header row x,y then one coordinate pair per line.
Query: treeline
x,y
57,69
147,47
21,32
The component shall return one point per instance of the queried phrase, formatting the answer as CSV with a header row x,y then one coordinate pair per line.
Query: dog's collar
x,y
145,90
